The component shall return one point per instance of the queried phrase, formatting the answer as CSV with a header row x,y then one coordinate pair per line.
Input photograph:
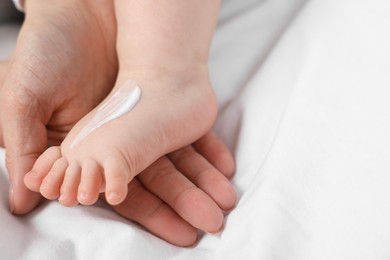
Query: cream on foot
x,y
172,113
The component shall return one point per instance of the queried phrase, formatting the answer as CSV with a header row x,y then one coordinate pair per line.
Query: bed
x,y
304,93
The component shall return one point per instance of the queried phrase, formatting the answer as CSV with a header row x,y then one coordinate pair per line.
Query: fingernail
x,y
11,200
113,197
61,198
196,242
218,232
82,196
227,211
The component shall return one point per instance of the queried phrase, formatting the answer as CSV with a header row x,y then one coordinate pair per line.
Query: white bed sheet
x,y
304,92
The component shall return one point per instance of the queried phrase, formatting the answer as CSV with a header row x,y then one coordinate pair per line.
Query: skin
x,y
3,71
175,219
51,82
177,106
162,216
34,104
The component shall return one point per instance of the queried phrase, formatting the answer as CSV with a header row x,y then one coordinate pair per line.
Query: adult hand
x,y
63,66
182,192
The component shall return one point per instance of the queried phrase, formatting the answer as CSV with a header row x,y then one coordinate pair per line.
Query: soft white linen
x,y
304,91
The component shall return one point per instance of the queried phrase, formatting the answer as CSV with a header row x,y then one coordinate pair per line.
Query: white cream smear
x,y
120,103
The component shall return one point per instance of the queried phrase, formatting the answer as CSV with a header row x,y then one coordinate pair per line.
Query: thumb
x,y
25,138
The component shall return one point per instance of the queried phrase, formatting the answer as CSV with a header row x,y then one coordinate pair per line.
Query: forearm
x,y
174,33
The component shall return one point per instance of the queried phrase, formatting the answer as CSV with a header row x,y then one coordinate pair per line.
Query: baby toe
x,y
41,168
51,184
116,179
91,179
70,185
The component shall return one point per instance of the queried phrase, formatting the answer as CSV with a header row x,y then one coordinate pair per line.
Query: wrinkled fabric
x,y
304,90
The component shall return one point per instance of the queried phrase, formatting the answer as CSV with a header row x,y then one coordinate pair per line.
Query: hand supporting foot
x,y
56,76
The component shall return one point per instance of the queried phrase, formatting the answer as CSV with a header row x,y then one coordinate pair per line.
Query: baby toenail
x,y
113,196
32,173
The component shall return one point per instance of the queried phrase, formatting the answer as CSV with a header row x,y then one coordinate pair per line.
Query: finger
x,y
191,203
25,139
150,212
204,175
216,152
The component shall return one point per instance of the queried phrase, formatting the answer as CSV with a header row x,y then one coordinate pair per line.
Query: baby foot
x,y
172,112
